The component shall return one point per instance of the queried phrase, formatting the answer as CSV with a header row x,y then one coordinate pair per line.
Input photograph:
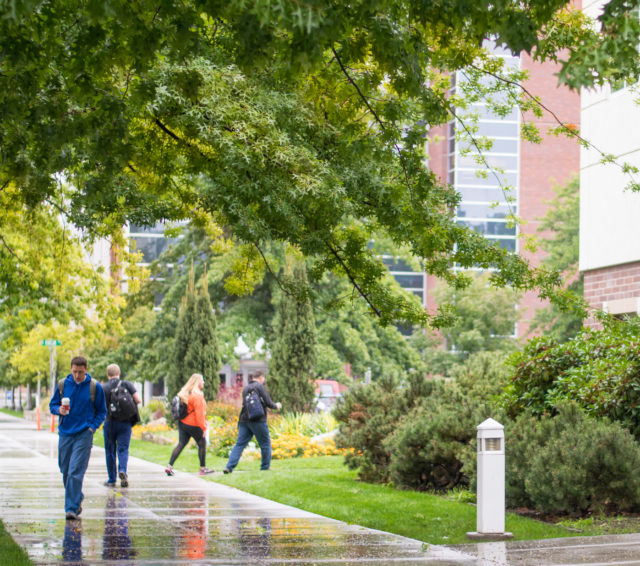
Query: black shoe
x,y
109,484
71,516
226,471
124,482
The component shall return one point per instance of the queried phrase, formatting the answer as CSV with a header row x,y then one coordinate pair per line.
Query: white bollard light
x,y
490,489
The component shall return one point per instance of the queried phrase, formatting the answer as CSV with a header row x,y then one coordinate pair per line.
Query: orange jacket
x,y
197,408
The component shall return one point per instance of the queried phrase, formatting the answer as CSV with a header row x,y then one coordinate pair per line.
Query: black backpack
x,y
122,407
179,409
255,410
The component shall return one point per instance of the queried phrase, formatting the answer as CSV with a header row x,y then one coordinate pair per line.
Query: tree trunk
x,y
29,406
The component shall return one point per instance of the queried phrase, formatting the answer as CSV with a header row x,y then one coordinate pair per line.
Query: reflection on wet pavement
x,y
116,542
173,520
187,520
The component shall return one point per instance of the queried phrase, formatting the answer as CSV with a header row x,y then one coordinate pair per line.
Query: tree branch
x,y
375,115
352,279
570,131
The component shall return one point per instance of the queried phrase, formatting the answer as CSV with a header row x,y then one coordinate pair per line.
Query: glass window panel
x,y
484,211
508,244
501,161
478,194
396,264
151,248
139,229
504,146
490,228
470,178
419,294
498,146
498,129
410,280
485,113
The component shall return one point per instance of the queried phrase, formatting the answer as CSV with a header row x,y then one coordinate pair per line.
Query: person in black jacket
x,y
247,429
117,429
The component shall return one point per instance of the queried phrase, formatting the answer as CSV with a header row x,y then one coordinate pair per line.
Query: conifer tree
x,y
291,369
196,344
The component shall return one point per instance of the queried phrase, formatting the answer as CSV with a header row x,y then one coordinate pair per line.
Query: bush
x,y
571,463
422,435
598,369
151,411
368,414
431,446
305,424
434,446
222,438
222,411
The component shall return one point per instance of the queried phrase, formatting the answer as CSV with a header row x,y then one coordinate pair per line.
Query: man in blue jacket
x,y
85,412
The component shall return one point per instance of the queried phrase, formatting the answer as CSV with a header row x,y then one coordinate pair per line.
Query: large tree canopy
x,y
285,121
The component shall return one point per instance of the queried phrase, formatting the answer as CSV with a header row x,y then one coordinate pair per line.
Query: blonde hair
x,y
113,370
190,387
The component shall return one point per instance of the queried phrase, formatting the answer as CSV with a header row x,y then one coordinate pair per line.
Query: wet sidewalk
x,y
173,520
187,520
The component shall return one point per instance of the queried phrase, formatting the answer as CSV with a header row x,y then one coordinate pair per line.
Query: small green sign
x,y
51,342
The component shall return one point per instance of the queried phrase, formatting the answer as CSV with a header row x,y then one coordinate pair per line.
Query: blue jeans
x,y
246,431
117,437
73,459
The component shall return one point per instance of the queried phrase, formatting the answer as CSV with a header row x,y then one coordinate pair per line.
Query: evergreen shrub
x,y
368,414
421,435
434,447
571,463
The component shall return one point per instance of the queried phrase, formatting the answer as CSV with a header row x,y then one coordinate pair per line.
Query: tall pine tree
x,y
196,344
291,369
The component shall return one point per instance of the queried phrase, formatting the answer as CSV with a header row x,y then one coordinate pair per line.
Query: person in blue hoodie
x,y
85,413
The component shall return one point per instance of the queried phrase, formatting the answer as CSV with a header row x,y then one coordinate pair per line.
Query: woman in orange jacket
x,y
194,424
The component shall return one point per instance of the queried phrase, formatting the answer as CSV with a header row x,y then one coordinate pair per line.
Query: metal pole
x,y
52,361
52,373
38,391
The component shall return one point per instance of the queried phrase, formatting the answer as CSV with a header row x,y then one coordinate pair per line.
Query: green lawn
x,y
325,486
13,413
11,554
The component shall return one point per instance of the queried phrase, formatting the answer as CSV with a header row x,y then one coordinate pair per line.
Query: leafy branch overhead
x,y
296,122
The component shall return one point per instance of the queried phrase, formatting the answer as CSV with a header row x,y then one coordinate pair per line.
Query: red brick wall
x,y
611,284
545,165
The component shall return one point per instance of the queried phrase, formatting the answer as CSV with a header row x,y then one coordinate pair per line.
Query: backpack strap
x,y
92,389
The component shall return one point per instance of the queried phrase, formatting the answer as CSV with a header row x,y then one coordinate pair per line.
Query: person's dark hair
x,y
79,361
256,375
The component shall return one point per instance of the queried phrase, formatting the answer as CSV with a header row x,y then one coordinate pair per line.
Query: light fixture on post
x,y
490,490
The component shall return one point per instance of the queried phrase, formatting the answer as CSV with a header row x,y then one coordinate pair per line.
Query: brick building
x,y
531,169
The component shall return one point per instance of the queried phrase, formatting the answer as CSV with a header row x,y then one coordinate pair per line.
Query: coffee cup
x,y
65,403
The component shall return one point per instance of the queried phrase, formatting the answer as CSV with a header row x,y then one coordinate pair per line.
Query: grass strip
x,y
11,553
19,414
323,485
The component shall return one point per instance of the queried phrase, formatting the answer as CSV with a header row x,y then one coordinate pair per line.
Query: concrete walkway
x,y
188,520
